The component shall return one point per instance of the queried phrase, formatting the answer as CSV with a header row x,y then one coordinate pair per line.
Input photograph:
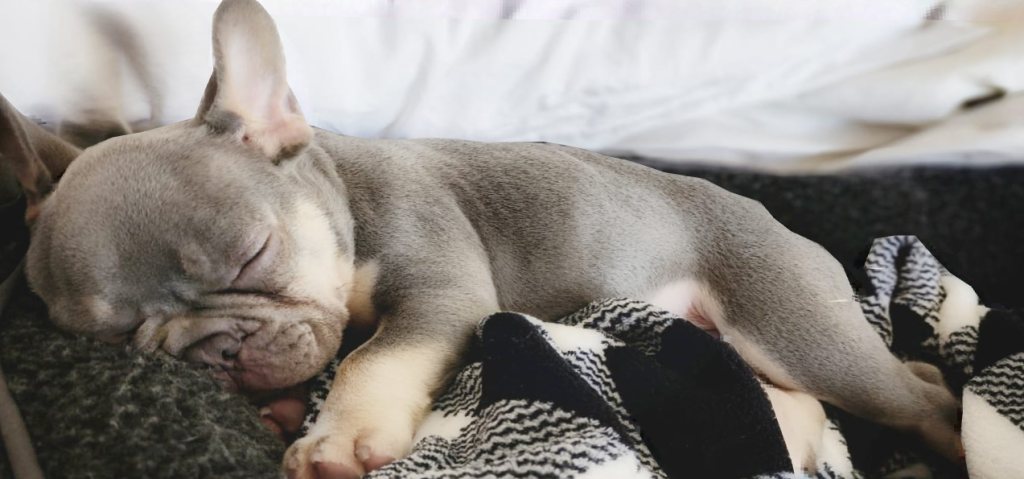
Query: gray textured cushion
x,y
100,411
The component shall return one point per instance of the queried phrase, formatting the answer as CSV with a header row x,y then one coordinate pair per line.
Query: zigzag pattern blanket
x,y
623,390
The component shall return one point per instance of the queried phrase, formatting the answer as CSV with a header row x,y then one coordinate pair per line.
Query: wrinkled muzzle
x,y
254,350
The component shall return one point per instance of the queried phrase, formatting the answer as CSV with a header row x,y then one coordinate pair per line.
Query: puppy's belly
x,y
690,300
693,301
801,417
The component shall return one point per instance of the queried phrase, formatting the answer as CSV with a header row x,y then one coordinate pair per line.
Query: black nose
x,y
216,350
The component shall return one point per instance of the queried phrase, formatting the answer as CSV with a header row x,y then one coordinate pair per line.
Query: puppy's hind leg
x,y
788,309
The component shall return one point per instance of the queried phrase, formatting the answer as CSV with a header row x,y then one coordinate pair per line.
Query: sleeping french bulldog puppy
x,y
247,240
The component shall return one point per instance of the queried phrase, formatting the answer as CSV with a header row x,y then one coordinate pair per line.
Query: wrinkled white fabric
x,y
777,83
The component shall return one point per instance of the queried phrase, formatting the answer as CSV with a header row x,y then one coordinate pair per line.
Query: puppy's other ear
x,y
84,134
248,95
36,157
117,52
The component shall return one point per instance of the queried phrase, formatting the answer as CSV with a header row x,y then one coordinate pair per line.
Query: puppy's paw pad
x,y
372,461
322,456
332,470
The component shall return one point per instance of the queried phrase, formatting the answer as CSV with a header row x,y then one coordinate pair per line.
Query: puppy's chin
x,y
252,385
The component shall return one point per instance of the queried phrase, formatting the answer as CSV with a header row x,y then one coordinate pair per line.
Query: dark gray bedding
x,y
971,219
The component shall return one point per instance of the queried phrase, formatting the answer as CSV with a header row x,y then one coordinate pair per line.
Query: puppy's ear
x,y
36,157
116,53
248,95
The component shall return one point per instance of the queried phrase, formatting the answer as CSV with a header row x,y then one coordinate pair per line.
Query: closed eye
x,y
244,270
251,275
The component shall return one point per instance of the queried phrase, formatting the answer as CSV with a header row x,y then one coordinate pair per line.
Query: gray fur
x,y
154,228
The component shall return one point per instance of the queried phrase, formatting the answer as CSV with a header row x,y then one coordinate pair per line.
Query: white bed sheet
x,y
780,84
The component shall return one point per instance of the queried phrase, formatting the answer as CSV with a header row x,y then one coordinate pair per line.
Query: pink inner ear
x,y
252,82
270,117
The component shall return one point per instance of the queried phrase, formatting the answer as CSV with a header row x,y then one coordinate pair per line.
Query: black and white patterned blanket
x,y
623,390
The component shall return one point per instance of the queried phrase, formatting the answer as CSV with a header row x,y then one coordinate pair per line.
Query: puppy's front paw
x,y
325,455
370,416
336,453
